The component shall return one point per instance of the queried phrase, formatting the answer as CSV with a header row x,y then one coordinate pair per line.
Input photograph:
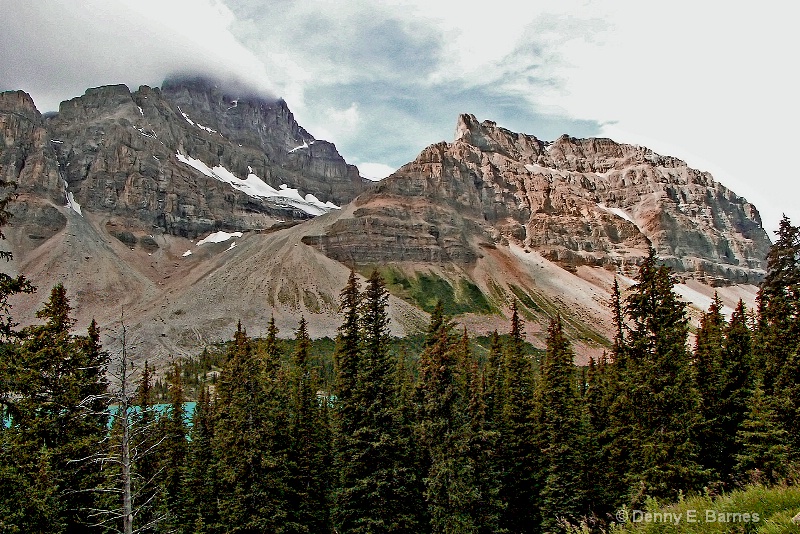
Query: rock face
x,y
114,189
183,159
575,201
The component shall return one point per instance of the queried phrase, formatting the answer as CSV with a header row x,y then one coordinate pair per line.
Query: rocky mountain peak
x,y
576,201
19,102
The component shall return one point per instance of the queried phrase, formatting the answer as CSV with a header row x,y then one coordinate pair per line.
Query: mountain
x,y
191,206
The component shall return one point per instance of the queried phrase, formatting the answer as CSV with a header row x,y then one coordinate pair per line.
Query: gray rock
x,y
115,151
577,201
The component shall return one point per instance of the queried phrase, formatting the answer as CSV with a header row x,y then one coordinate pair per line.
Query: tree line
x,y
446,442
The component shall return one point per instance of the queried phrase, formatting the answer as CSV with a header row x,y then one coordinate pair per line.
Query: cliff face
x,y
184,160
576,201
114,189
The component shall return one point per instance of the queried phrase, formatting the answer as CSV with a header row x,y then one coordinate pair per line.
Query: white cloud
x,y
375,171
59,49
712,83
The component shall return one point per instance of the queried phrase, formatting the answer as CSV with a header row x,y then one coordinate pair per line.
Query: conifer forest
x,y
448,434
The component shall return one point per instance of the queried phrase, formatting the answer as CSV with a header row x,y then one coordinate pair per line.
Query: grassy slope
x,y
775,508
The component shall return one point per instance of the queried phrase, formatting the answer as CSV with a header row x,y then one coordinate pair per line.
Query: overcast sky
x,y
711,82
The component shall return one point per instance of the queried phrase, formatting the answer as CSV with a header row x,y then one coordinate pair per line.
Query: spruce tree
x,y
201,479
376,492
145,447
661,416
251,484
764,454
521,481
57,407
778,332
709,362
563,493
779,305
596,403
174,451
443,428
307,483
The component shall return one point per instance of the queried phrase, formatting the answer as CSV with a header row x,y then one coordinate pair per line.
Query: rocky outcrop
x,y
27,158
146,157
576,201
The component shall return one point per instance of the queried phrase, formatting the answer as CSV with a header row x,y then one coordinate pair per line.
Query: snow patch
x,y
230,247
187,253
196,164
304,145
141,111
74,206
190,121
256,187
618,212
218,237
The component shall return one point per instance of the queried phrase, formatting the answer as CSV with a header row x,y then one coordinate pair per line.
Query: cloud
x,y
60,48
375,171
712,84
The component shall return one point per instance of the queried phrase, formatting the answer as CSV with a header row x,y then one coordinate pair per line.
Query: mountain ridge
x,y
116,190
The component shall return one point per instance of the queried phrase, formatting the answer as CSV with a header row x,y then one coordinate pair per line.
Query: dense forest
x,y
437,437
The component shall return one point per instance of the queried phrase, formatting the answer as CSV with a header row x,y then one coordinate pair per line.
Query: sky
x,y
713,83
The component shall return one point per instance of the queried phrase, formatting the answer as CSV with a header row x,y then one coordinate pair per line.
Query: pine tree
x,y
600,495
482,502
347,415
307,484
563,493
764,453
174,451
520,478
145,445
201,479
495,381
778,332
376,492
251,484
662,406
57,407
779,304
709,362
443,428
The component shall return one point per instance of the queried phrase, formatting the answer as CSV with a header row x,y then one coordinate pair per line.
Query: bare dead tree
x,y
126,453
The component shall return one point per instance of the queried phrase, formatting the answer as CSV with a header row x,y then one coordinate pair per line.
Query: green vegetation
x,y
435,433
769,510
425,290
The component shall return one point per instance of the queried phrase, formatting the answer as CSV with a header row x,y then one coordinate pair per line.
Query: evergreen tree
x,y
376,487
662,405
442,429
764,453
482,502
174,451
779,304
778,333
347,414
307,484
725,382
495,381
201,479
251,483
563,493
520,478
600,495
56,407
145,445
709,362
